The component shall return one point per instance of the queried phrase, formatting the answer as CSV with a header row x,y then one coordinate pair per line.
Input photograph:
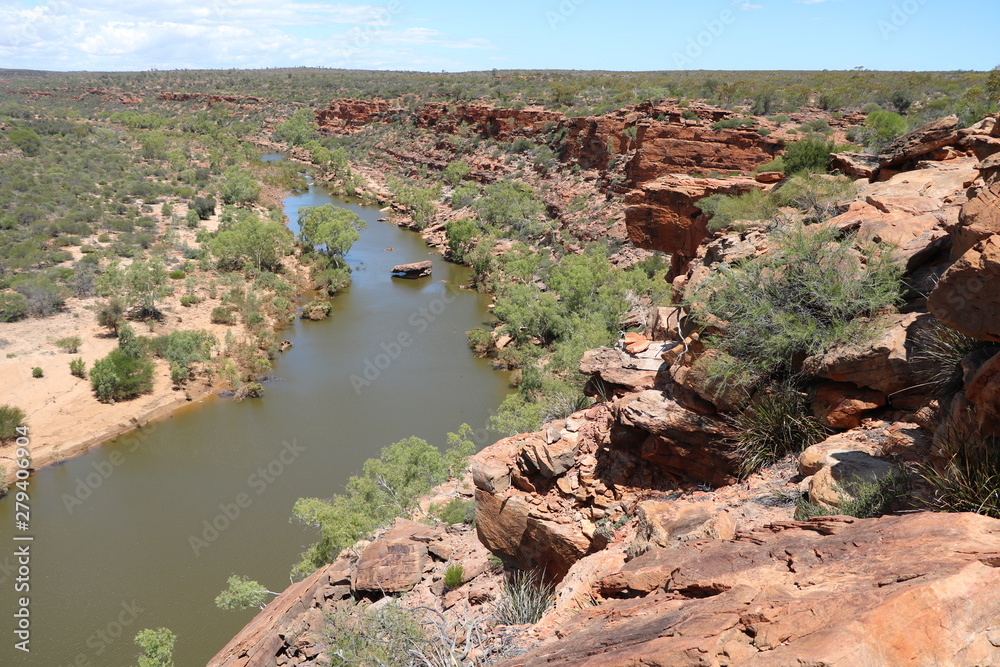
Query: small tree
x,y
10,418
157,647
242,593
239,188
13,306
335,229
111,314
141,284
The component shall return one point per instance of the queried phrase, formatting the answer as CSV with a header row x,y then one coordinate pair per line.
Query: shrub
x,y
881,127
460,234
464,195
10,418
969,478
815,195
70,344
457,511
223,315
809,293
157,647
188,301
725,210
453,575
177,275
810,154
36,372
183,349
121,376
111,314
42,296
938,354
777,422
204,207
523,599
78,367
864,500
455,172
388,487
13,306
480,341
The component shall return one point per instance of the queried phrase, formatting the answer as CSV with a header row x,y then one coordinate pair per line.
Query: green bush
x,y
389,486
69,344
453,575
817,196
460,234
177,275
13,306
810,292
480,341
188,301
183,349
10,418
455,172
464,195
457,511
223,315
121,376
157,647
864,500
523,599
726,210
37,372
78,367
938,351
810,154
111,314
777,422
882,127
204,207
969,478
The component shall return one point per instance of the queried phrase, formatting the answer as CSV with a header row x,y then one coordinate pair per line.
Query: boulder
x,y
978,220
671,524
965,297
682,442
395,562
816,457
855,165
618,369
835,483
769,177
918,589
924,139
842,405
881,364
636,342
551,459
414,270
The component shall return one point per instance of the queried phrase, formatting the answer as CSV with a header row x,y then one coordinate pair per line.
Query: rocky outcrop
x,y
347,115
414,270
668,148
923,140
662,215
978,220
833,591
212,98
855,165
965,297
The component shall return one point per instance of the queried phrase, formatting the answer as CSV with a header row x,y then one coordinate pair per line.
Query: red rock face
x,y
671,149
662,215
919,589
343,116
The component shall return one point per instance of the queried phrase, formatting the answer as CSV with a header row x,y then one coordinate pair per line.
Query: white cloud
x,y
747,6
135,34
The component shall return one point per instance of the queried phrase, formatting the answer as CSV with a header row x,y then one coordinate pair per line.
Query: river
x,y
142,532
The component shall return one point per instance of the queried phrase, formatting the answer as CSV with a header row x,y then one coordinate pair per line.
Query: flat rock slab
x,y
919,589
414,270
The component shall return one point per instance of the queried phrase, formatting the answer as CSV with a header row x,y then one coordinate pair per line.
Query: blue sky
x,y
517,34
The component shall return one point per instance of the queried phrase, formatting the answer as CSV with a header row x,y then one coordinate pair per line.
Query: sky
x,y
448,35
